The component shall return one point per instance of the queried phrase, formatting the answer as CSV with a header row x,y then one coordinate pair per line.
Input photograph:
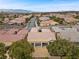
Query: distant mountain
x,y
15,11
28,11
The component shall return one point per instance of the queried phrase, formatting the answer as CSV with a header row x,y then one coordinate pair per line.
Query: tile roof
x,y
10,37
41,36
68,33
44,18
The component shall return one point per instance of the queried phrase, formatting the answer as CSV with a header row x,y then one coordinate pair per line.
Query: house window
x,y
44,44
37,44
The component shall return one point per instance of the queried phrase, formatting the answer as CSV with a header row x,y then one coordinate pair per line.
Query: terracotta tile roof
x,y
41,36
48,22
9,37
23,32
18,20
6,20
12,31
44,18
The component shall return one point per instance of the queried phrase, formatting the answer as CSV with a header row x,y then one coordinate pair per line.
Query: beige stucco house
x,y
40,37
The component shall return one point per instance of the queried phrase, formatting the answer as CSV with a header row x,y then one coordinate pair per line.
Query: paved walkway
x,y
40,52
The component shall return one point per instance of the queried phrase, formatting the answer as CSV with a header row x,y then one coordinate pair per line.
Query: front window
x,y
44,44
37,44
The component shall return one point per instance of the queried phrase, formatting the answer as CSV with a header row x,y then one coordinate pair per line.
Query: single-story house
x,y
47,23
44,18
12,35
19,20
71,34
40,37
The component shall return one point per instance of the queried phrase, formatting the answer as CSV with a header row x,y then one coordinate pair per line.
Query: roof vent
x,y
39,30
15,32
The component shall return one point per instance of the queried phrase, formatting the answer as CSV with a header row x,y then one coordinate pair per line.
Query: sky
x,y
41,5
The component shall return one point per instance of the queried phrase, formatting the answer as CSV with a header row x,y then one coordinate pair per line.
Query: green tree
x,y
73,52
1,23
21,50
77,17
2,51
2,17
57,19
62,47
53,17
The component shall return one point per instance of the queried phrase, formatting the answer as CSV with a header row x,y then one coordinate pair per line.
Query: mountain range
x,y
28,11
15,11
